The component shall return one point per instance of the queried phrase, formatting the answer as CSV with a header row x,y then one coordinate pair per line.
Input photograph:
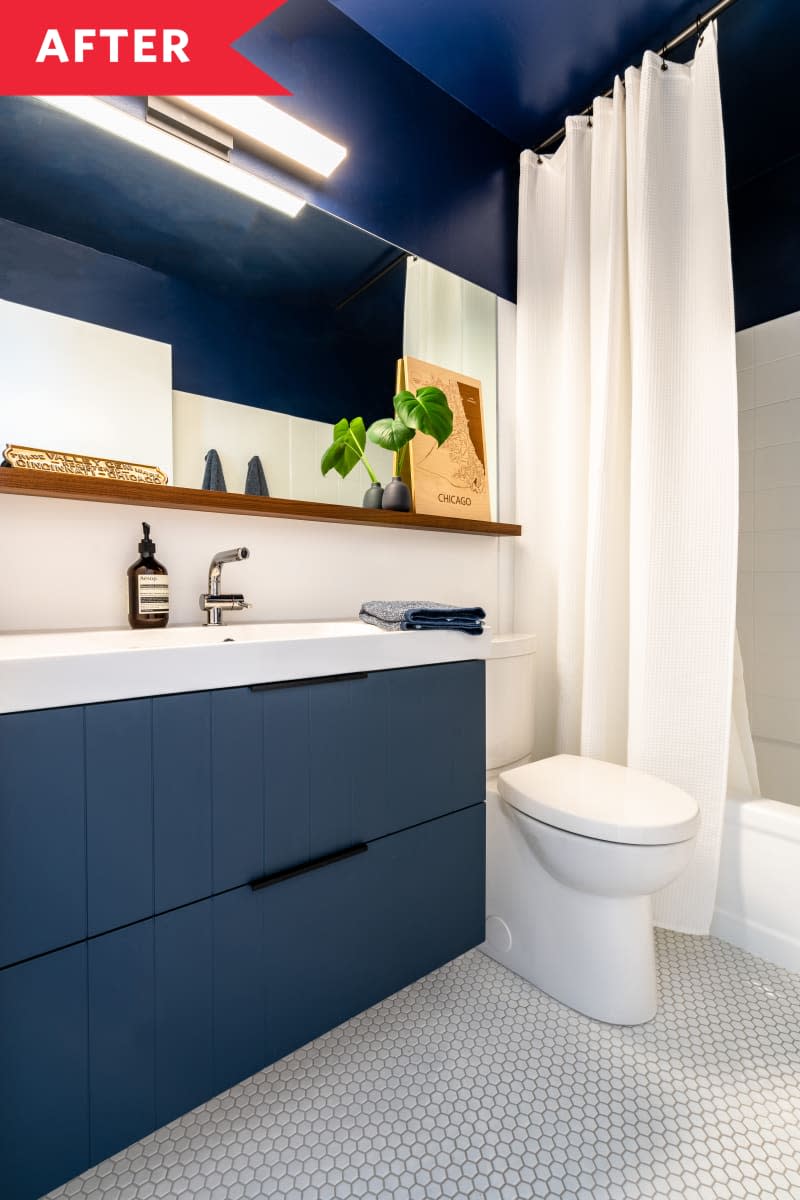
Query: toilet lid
x,y
601,800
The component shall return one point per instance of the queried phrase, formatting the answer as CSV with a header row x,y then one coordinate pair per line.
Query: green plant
x,y
427,411
347,449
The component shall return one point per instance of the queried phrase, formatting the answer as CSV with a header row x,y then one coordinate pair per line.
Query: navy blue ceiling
x,y
522,66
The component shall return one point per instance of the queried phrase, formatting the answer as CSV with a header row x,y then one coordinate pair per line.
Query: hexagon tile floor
x,y
471,1083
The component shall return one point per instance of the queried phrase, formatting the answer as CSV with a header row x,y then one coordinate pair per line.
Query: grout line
x,y
765,362
774,741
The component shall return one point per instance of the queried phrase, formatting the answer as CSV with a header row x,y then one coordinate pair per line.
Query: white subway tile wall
x,y
768,363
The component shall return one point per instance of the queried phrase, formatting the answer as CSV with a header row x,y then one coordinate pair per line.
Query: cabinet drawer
x,y
354,760
423,746
341,938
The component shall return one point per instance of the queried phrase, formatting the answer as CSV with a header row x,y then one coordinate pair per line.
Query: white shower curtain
x,y
628,454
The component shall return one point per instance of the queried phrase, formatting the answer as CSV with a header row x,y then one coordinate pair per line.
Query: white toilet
x,y
575,849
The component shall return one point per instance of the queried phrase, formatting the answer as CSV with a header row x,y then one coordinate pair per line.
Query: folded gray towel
x,y
256,482
421,614
213,477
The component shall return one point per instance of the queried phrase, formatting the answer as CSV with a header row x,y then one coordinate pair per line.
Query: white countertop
x,y
53,670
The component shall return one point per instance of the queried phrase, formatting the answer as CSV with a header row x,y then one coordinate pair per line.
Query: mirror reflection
x,y
151,316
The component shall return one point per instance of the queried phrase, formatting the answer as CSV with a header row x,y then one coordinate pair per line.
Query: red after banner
x,y
182,47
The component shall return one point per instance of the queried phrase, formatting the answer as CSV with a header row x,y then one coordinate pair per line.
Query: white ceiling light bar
x,y
272,127
132,129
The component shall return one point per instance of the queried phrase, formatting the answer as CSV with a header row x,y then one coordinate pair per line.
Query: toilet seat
x,y
601,800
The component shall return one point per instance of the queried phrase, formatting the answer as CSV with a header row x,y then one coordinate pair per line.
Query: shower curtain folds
x,y
628,444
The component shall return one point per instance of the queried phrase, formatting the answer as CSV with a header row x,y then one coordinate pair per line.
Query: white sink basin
x,y
53,670
103,641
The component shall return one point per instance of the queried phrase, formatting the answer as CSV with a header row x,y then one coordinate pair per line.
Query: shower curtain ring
x,y
664,58
700,30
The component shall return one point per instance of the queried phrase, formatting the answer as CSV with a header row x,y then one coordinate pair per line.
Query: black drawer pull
x,y
294,683
326,860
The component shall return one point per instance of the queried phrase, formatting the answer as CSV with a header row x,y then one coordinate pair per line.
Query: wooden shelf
x,y
22,482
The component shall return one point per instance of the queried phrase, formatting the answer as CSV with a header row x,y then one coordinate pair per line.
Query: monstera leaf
x,y
428,412
347,448
390,433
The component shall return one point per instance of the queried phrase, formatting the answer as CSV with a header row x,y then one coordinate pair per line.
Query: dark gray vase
x,y
373,496
396,496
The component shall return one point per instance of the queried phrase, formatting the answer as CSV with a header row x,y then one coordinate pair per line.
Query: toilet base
x,y
594,953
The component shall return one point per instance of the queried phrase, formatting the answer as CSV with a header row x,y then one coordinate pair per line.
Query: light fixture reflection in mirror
x,y
131,129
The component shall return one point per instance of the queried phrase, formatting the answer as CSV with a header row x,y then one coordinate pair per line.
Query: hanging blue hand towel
x,y
421,614
256,482
213,477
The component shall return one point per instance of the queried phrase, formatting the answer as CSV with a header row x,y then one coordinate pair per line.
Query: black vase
x,y
396,496
373,496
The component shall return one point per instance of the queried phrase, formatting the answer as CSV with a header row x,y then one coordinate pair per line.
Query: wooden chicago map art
x,y
450,479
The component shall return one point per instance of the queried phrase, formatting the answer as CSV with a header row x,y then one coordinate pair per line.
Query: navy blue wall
x,y
765,235
759,51
311,362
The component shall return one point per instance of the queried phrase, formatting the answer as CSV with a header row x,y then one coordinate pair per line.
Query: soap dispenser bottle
x,y
148,588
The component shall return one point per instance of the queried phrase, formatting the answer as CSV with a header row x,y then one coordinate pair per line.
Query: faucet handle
x,y
229,601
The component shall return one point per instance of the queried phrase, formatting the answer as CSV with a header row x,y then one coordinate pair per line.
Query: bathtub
x,y
758,896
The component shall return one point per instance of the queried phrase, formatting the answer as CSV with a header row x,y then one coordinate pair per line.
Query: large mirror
x,y
152,316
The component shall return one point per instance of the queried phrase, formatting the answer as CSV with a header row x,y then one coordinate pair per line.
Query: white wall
x,y
73,386
290,449
70,557
768,619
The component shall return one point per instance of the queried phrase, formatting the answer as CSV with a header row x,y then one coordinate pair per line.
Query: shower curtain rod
x,y
697,27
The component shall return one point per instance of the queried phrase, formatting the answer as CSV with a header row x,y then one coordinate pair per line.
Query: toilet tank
x,y
509,699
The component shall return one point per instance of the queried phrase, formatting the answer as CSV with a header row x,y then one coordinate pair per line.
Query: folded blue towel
x,y
256,482
421,614
213,477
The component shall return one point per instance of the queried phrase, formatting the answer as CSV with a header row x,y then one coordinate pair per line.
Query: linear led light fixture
x,y
273,128
132,129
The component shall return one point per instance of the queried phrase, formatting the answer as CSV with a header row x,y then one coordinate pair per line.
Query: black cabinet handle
x,y
294,683
314,865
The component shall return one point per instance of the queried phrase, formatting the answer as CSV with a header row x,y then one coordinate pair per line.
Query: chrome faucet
x,y
213,603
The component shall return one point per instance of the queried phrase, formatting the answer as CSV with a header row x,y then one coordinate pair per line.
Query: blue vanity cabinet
x,y
141,970
315,760
238,970
44,1080
121,1025
119,813
351,760
424,750
237,787
184,1019
42,832
182,756
346,935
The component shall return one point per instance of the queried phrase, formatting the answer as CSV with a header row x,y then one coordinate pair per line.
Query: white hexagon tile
x,y
471,1083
